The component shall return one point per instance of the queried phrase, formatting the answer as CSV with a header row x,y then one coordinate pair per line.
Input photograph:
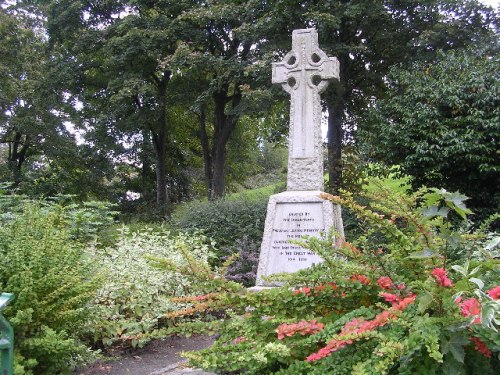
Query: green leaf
x,y
478,282
432,198
460,270
456,200
455,345
488,315
462,285
424,302
492,244
433,211
474,271
452,367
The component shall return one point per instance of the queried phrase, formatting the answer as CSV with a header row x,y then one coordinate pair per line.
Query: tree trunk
x,y
160,140
219,179
335,135
146,165
207,155
160,143
336,110
218,145
17,155
224,126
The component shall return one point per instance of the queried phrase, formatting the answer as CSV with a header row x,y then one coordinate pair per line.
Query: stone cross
x,y
304,73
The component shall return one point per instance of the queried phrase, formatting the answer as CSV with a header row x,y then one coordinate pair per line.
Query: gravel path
x,y
160,357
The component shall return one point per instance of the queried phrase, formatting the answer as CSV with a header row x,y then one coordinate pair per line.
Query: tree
x,y
32,112
224,40
440,123
119,58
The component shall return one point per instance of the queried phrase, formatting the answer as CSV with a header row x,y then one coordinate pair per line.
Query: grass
x,y
394,183
257,194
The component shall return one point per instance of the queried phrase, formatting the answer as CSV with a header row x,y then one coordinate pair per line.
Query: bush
x,y
400,305
243,269
225,220
134,299
439,122
46,269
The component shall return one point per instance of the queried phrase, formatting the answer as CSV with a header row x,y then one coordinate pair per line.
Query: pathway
x,y
160,357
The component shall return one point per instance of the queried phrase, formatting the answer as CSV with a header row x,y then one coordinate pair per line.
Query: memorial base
x,y
291,216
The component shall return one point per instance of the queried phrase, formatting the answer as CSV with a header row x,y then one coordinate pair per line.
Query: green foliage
x,y
134,298
86,221
393,301
53,281
224,220
440,121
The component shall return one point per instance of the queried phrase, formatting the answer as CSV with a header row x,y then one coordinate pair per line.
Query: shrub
x,y
243,269
225,220
52,280
134,299
400,305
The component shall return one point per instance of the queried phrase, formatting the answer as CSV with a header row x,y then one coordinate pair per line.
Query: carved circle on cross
x,y
291,61
316,59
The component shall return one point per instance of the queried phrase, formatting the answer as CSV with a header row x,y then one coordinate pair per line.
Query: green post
x,y
6,338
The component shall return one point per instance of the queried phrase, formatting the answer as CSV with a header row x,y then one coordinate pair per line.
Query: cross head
x,y
304,73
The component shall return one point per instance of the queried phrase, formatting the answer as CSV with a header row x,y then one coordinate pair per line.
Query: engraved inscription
x,y
292,222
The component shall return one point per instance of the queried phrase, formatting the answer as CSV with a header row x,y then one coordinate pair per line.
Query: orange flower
x,y
353,329
361,278
389,297
306,290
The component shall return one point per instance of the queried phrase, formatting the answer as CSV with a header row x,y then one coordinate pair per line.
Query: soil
x,y
159,357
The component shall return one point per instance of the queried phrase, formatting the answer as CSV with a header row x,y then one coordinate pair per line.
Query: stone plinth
x,y
290,216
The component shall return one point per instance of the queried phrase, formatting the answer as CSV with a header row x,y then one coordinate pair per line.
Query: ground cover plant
x,y
53,280
80,283
414,293
134,298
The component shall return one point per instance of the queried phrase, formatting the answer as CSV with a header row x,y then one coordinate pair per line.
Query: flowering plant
x,y
399,299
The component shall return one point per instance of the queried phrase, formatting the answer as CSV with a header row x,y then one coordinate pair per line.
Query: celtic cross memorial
x,y
304,73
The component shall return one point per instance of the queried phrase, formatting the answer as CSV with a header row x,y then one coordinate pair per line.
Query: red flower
x,y
333,286
361,278
322,353
481,347
442,277
494,293
320,288
352,330
306,290
401,305
351,247
471,307
389,297
385,282
303,327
